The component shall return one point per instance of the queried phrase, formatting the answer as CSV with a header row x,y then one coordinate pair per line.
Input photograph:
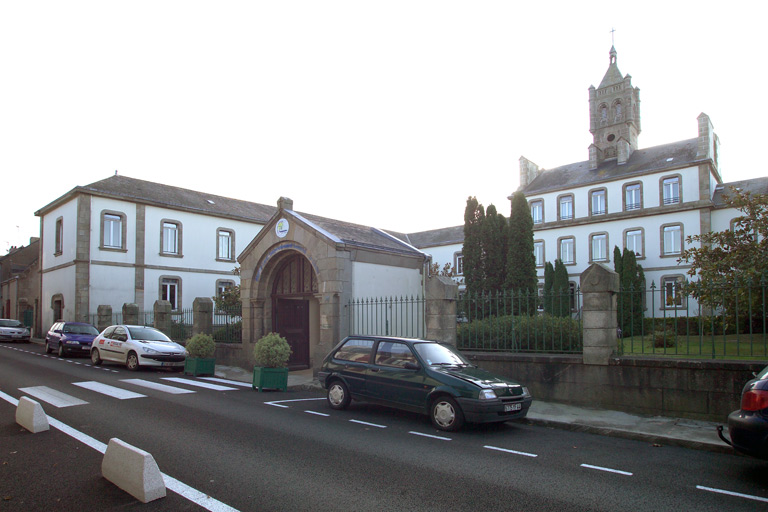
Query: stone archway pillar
x,y
599,286
330,322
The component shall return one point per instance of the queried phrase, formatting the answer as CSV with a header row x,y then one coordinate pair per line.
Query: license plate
x,y
172,364
512,407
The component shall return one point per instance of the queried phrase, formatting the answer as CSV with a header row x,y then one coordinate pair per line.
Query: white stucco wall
x,y
371,280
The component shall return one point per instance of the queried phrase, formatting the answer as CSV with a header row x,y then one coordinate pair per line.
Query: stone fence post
x,y
599,286
162,309
103,317
440,309
202,316
130,314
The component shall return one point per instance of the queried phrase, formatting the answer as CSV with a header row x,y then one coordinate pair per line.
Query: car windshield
x,y
435,354
10,323
147,334
80,329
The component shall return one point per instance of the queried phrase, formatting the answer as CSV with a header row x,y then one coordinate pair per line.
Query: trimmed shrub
x,y
201,346
272,351
540,333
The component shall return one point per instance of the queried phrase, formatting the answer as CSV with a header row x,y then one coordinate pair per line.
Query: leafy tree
x,y
229,299
472,251
448,270
521,263
726,261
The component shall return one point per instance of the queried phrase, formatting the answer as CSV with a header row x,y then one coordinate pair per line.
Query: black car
x,y
748,427
428,377
70,338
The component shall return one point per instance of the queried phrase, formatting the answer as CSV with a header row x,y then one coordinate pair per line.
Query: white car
x,y
13,330
136,346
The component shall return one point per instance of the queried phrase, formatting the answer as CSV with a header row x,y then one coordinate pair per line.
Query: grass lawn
x,y
742,346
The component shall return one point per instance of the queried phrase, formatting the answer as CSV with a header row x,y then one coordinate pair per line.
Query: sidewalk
x,y
700,435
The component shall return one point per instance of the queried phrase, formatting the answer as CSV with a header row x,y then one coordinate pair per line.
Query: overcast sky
x,y
384,113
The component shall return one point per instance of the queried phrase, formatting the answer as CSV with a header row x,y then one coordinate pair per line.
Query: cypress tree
x,y
472,250
521,263
561,290
494,243
549,279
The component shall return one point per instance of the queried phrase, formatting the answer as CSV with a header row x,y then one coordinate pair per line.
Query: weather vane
x,y
612,31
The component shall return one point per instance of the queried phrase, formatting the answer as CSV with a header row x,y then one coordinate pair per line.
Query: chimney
x,y
285,203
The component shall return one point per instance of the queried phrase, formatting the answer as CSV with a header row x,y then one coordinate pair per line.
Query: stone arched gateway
x,y
298,274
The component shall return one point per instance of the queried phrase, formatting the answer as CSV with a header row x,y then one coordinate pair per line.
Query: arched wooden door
x,y
295,285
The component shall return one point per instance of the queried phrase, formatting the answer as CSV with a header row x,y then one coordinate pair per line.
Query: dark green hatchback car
x,y
422,376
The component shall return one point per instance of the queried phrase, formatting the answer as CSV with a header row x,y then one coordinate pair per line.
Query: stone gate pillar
x,y
599,286
202,316
130,313
163,310
440,309
103,317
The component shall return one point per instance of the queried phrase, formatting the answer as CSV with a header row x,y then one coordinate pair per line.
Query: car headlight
x,y
150,350
487,394
526,392
70,342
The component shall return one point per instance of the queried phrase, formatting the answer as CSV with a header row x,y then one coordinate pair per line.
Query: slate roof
x,y
753,186
166,196
643,161
434,237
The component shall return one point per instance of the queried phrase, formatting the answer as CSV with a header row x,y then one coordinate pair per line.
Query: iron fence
x,y
227,326
520,321
388,316
725,320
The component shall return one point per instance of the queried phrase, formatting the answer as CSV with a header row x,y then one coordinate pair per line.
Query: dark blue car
x,y
748,427
70,338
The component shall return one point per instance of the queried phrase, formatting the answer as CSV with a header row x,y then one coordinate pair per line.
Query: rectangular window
x,y
538,253
632,197
671,190
673,240
113,231
170,238
537,212
599,247
634,241
566,207
599,202
223,286
59,237
224,242
567,251
169,290
672,295
459,265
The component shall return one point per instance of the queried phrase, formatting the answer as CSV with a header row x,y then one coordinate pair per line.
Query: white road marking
x,y
230,382
368,424
317,413
441,438
156,385
106,389
199,384
731,493
53,397
180,488
609,470
277,403
515,452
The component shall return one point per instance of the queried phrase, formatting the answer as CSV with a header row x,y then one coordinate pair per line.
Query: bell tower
x,y
614,116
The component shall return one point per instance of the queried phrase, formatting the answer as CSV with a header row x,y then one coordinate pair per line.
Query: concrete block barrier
x,y
30,415
133,470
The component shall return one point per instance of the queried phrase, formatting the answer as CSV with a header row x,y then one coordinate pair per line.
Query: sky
x,y
383,113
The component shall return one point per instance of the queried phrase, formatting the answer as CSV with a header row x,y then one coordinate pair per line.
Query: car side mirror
x,y
412,366
58,331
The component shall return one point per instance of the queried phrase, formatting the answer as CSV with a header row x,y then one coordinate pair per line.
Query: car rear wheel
x,y
48,348
95,357
338,395
132,362
446,414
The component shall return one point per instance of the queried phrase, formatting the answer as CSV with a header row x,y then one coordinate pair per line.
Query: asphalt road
x,y
289,451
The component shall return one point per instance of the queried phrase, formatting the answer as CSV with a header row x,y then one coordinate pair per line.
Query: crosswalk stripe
x,y
105,389
199,384
156,385
53,397
230,382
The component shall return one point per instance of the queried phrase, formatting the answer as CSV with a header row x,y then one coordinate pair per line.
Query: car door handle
x,y
374,369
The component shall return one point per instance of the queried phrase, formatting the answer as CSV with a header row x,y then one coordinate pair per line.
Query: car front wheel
x,y
61,350
95,357
446,414
132,362
338,395
48,348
